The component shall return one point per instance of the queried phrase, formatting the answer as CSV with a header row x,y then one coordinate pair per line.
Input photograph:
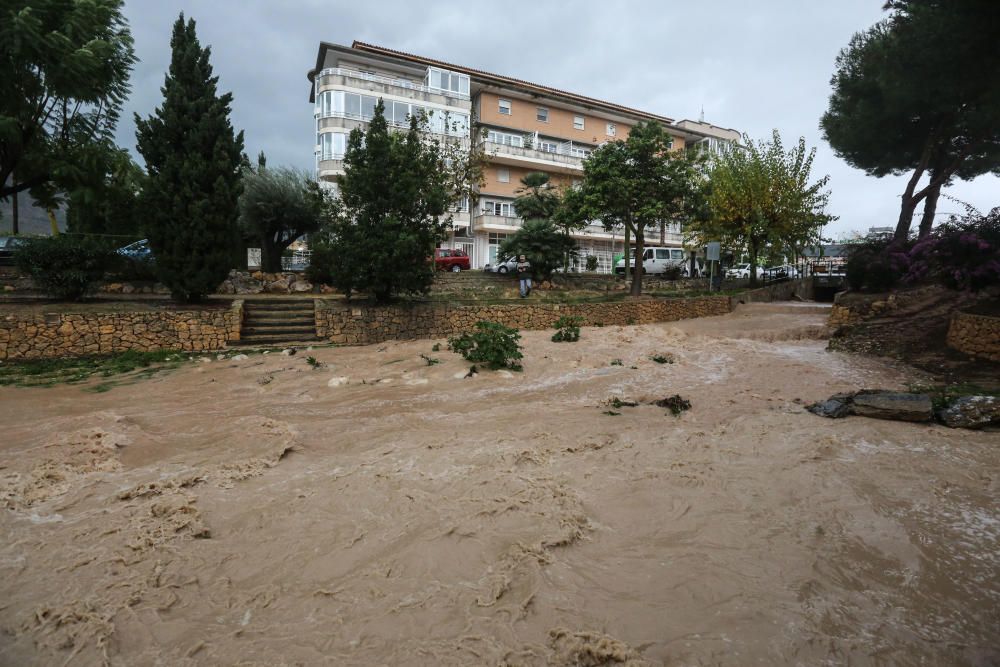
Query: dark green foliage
x,y
277,207
66,266
194,163
616,362
663,358
591,263
676,404
672,273
431,361
65,68
567,329
108,202
394,197
618,403
492,344
314,362
436,347
544,246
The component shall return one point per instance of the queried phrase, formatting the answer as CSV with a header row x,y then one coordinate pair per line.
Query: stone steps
x,y
278,321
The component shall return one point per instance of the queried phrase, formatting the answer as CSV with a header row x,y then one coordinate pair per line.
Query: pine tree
x,y
194,162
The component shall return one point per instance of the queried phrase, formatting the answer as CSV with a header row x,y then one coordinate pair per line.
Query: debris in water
x,y
676,404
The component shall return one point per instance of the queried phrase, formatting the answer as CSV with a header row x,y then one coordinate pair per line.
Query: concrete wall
x,y
356,324
975,335
67,334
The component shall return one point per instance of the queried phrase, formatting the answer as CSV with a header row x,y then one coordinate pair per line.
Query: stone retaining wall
x,y
781,291
36,336
363,324
975,335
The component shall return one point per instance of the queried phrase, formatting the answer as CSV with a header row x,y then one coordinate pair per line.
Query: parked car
x,y
742,272
508,265
448,259
8,245
655,260
139,251
775,273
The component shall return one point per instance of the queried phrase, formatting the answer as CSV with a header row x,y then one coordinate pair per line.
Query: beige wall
x,y
560,124
495,187
523,116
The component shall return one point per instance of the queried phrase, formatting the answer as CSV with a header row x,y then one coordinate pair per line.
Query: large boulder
x,y
894,405
876,403
972,412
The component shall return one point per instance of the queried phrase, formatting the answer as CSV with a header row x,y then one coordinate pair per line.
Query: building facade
x,y
522,127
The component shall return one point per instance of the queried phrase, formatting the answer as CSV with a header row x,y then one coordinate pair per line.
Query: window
x,y
448,81
611,129
676,254
504,107
548,146
505,138
352,108
662,253
332,145
577,122
503,175
542,114
462,204
368,106
501,208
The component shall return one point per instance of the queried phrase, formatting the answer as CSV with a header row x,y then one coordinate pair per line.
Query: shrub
x,y
65,266
877,265
960,254
673,273
492,344
591,263
544,246
567,329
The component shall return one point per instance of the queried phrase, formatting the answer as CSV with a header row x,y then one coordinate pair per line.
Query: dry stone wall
x,y
37,336
363,324
975,335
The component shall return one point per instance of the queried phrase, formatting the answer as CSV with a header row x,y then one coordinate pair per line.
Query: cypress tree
x,y
194,163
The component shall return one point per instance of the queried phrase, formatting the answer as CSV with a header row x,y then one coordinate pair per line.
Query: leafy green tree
x,y
395,195
639,182
760,197
918,93
277,207
544,246
194,163
108,203
65,68
536,198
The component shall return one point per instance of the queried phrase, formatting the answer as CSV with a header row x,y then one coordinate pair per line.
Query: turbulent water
x,y
380,510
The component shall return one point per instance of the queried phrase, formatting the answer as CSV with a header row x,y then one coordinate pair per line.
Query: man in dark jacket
x,y
524,274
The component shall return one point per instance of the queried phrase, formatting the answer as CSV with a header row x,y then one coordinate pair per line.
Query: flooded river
x,y
381,510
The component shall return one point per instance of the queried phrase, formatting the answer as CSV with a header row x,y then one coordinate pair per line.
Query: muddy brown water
x,y
380,511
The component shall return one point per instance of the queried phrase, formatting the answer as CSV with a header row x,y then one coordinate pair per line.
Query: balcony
x,y
566,158
495,222
388,85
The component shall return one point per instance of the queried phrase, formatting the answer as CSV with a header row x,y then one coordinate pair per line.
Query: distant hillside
x,y
31,219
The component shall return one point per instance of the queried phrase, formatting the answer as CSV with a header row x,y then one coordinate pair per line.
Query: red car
x,y
446,259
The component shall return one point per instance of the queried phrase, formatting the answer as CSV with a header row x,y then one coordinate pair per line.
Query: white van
x,y
656,260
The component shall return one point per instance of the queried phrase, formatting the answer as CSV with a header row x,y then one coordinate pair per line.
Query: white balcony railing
x,y
387,80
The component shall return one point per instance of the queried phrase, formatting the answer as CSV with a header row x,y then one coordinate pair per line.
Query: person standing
x,y
524,274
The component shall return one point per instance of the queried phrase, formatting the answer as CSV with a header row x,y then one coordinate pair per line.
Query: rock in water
x,y
972,412
835,407
892,405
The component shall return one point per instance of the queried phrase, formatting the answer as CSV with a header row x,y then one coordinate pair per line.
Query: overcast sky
x,y
753,66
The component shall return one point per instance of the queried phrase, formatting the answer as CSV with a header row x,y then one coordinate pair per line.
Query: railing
x,y
403,124
533,152
388,80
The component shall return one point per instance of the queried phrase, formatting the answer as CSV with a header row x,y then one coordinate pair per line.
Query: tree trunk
x,y
930,208
13,215
636,289
753,265
270,256
628,251
663,232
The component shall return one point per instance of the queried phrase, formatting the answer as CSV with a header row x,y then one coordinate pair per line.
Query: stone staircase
x,y
277,321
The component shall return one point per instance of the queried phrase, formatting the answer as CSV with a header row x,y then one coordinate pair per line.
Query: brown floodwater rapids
x,y
379,510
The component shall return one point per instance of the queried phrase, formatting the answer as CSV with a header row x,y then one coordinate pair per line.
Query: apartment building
x,y
522,126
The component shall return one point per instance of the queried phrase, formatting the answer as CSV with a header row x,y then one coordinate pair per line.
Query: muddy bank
x,y
380,510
